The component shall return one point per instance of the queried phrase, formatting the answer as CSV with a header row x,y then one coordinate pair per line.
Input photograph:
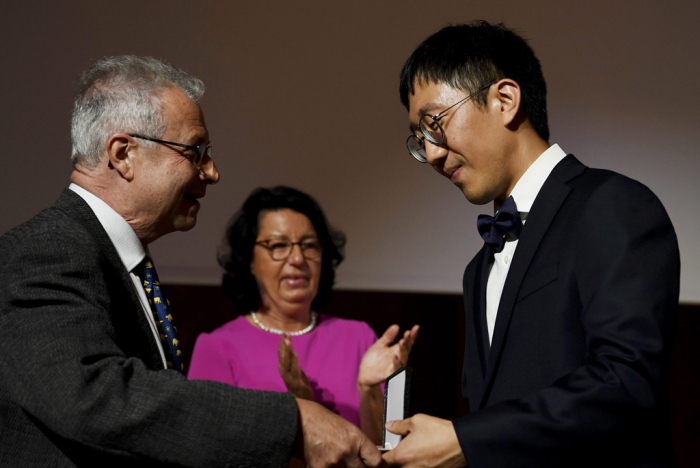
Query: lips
x,y
191,197
296,280
454,175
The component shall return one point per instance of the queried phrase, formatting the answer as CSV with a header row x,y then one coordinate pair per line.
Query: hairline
x,y
426,80
133,85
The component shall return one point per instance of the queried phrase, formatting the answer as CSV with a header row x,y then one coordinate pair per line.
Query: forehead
x,y
284,222
430,97
184,118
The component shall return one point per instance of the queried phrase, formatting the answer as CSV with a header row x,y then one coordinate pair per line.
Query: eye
x,y
278,245
312,245
428,122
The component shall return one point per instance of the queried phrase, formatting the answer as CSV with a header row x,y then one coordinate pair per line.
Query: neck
x,y
291,320
105,185
526,148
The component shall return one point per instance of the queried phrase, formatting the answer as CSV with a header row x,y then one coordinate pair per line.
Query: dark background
x,y
305,93
436,358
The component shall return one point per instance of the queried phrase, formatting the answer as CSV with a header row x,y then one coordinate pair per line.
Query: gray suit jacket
x,y
81,379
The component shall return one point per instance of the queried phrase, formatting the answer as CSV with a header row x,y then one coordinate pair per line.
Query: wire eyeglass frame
x,y
416,144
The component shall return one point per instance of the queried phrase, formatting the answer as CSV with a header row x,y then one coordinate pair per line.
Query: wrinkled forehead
x,y
183,116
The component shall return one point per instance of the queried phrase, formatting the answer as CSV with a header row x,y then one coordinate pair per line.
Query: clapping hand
x,y
381,360
288,365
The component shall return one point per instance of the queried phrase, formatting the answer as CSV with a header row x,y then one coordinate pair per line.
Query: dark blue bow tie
x,y
494,228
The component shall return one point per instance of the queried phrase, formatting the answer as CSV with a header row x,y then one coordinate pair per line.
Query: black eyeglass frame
x,y
200,150
266,245
427,134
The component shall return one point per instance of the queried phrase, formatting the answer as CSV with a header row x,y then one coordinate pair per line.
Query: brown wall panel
x,y
685,387
437,356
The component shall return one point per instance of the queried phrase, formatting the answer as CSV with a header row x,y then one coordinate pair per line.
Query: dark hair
x,y
469,56
236,253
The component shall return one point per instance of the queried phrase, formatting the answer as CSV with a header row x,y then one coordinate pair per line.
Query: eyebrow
x,y
282,236
425,108
200,136
429,106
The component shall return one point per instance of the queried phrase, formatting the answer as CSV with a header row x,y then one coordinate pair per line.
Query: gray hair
x,y
123,94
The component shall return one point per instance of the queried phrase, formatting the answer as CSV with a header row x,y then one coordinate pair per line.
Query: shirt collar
x,y
125,240
529,185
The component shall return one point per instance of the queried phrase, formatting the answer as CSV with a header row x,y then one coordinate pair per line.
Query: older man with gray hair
x,y
91,373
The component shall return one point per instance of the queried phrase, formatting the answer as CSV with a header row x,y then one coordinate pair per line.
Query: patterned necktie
x,y
160,307
494,228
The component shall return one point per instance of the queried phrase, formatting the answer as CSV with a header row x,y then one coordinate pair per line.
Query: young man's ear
x,y
508,100
120,148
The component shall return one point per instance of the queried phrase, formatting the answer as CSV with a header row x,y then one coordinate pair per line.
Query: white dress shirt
x,y
524,194
129,248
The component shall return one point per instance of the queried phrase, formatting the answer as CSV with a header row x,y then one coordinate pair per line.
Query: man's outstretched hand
x,y
427,442
325,439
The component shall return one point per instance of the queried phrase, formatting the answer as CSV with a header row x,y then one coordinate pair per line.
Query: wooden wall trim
x,y
438,353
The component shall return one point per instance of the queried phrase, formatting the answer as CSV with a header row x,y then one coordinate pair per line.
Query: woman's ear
x,y
252,268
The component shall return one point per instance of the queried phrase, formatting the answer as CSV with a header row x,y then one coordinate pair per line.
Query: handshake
x,y
325,439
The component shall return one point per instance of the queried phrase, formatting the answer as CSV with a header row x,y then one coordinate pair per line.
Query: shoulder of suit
x,y
610,181
50,229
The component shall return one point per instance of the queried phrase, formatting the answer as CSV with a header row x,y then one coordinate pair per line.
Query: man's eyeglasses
x,y
281,249
429,126
199,150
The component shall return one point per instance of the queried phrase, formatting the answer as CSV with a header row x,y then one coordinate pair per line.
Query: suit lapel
x,y
73,204
480,325
480,328
476,340
546,205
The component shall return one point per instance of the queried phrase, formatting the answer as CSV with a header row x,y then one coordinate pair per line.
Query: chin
x,y
300,299
478,200
185,224
474,199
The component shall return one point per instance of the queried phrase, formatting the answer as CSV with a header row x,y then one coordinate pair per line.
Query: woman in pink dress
x,y
280,266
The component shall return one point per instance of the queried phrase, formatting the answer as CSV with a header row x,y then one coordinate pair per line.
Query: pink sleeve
x,y
209,362
368,335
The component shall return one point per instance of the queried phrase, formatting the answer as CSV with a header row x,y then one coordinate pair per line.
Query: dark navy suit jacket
x,y
576,374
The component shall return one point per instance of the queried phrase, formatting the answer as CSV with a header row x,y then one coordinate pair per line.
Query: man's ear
x,y
120,153
508,96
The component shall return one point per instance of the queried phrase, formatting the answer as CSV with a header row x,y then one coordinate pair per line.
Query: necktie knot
x,y
494,228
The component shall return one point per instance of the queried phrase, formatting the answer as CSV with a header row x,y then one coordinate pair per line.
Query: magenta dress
x,y
241,354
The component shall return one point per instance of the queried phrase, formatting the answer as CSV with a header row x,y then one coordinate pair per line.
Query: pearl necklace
x,y
314,315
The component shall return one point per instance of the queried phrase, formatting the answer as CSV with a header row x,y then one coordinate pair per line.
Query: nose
x,y
296,257
208,171
434,154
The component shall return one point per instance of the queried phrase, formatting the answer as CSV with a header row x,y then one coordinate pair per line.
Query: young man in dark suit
x,y
90,373
570,302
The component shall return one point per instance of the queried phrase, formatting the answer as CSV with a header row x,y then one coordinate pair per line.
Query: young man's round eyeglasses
x,y
429,126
